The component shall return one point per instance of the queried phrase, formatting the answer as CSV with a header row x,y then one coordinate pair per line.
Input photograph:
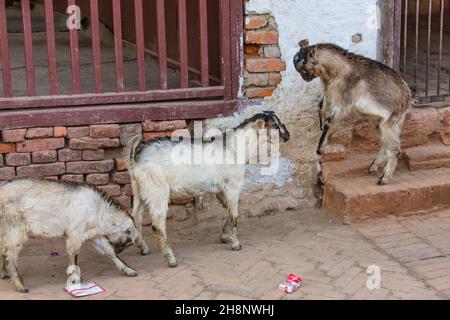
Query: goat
x,y
156,179
358,86
41,208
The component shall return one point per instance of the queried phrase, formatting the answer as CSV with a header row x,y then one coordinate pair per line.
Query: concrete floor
x,y
413,254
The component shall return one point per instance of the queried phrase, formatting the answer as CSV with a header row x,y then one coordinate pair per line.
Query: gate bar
x,y
417,42
51,47
204,55
183,43
96,53
140,49
4,52
427,75
162,43
28,44
75,56
225,48
117,17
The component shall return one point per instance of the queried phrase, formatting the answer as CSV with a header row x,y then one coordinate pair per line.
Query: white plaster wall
x,y
296,101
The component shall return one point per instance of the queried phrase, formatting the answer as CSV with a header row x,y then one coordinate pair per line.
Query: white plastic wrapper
x,y
84,290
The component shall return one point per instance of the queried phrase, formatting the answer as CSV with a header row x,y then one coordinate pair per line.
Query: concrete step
x,y
410,192
430,156
355,165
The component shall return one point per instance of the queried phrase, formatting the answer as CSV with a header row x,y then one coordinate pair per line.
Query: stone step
x,y
430,156
354,166
360,198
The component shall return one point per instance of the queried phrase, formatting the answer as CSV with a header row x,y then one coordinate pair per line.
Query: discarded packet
x,y
292,284
84,290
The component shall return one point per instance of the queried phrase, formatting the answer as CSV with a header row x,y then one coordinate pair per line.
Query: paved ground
x,y
413,254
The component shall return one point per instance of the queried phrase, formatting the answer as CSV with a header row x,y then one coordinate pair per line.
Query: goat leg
x,y
105,248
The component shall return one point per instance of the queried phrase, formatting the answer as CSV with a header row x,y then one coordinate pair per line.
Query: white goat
x,y
41,208
156,179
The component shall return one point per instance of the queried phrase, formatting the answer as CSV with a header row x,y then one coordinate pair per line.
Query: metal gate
x,y
422,50
177,42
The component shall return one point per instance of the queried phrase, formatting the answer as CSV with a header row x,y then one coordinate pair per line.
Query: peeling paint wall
x,y
296,101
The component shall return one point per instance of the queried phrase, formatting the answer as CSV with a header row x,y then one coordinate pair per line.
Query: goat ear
x,y
303,43
260,124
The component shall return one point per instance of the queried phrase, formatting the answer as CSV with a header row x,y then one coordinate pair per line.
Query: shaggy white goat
x,y
41,208
157,178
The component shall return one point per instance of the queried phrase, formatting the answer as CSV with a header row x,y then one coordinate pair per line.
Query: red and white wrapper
x,y
84,290
292,284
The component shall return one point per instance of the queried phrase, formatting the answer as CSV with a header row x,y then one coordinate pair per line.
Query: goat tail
x,y
132,147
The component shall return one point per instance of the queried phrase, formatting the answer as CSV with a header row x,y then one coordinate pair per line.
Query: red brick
x,y
16,135
40,145
47,156
148,126
148,136
1,160
257,79
68,155
78,178
7,148
111,190
7,173
444,132
255,21
98,179
419,125
77,132
124,201
52,178
60,132
122,165
93,155
252,50
36,133
18,159
90,166
121,178
104,131
261,37
252,93
42,170
265,65
128,190
88,143
128,131
275,79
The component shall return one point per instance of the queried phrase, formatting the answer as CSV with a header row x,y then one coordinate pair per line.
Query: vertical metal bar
x,y
405,40
225,30
140,44
441,37
117,17
182,35
96,53
204,52
417,42
427,76
75,56
4,52
397,33
51,47
28,44
162,43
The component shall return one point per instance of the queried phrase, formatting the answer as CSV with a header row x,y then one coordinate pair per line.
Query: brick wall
x,y
263,63
90,154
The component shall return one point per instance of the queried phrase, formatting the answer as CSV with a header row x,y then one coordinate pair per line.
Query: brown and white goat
x,y
41,208
360,87
157,178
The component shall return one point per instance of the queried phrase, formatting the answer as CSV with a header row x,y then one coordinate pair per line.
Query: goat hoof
x,y
22,290
237,247
4,276
131,273
383,181
146,252
173,264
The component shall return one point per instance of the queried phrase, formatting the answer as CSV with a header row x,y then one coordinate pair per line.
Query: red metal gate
x,y
422,48
199,93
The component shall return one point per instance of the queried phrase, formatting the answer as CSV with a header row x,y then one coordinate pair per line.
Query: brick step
x,y
430,156
355,165
360,198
